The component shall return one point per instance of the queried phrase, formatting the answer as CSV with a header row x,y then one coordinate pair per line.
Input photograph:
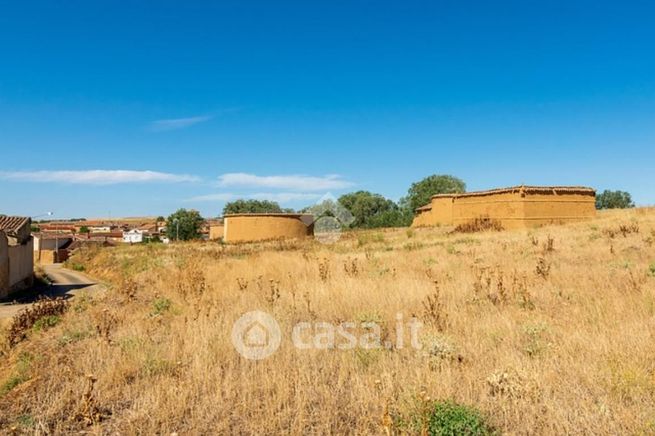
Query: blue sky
x,y
139,108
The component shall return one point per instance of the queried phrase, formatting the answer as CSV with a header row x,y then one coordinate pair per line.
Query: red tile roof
x,y
10,224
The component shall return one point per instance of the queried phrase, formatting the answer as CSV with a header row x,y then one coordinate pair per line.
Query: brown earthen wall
x,y
513,209
216,232
507,208
423,218
21,265
541,209
442,210
248,228
4,266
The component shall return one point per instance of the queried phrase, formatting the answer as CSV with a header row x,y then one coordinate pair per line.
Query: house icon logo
x,y
256,335
328,217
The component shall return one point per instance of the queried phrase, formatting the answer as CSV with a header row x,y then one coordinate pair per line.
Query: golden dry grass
x,y
549,331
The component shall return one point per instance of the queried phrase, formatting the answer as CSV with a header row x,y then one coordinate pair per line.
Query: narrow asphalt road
x,y
65,283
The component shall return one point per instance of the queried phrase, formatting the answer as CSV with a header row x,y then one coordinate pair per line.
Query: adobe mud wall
x,y
517,207
263,227
216,232
4,266
21,265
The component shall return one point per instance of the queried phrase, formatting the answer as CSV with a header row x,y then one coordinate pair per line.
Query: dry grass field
x,y
548,331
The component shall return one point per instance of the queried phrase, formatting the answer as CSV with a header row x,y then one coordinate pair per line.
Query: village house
x,y
16,261
134,236
51,247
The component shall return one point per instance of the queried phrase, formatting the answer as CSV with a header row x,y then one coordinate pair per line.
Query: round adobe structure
x,y
250,227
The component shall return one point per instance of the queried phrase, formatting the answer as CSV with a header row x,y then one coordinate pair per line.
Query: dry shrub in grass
x,y
482,224
25,319
623,229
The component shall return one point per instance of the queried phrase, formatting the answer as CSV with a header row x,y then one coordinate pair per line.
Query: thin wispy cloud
x,y
292,182
177,123
96,177
280,197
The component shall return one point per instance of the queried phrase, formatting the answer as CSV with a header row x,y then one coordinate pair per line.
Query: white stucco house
x,y
134,236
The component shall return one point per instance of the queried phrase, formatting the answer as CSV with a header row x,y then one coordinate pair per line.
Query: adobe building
x,y
250,227
515,207
216,231
16,262
51,248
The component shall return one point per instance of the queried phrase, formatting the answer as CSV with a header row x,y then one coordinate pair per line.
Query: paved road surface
x,y
65,283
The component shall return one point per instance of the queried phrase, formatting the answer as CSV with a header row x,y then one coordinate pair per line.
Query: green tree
x,y
421,192
160,219
84,229
367,208
397,217
184,224
252,206
614,200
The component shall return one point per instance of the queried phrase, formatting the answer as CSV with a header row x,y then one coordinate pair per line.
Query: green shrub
x,y
77,266
20,375
161,305
452,419
46,322
651,269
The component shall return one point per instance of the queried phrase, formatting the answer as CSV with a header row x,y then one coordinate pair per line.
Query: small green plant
x,y
71,336
450,419
82,302
161,305
366,238
366,358
20,375
651,270
26,421
46,322
535,336
77,266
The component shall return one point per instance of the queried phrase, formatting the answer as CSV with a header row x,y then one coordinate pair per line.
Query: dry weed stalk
x,y
324,269
88,412
128,289
274,292
350,267
105,323
501,294
543,268
242,283
433,308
